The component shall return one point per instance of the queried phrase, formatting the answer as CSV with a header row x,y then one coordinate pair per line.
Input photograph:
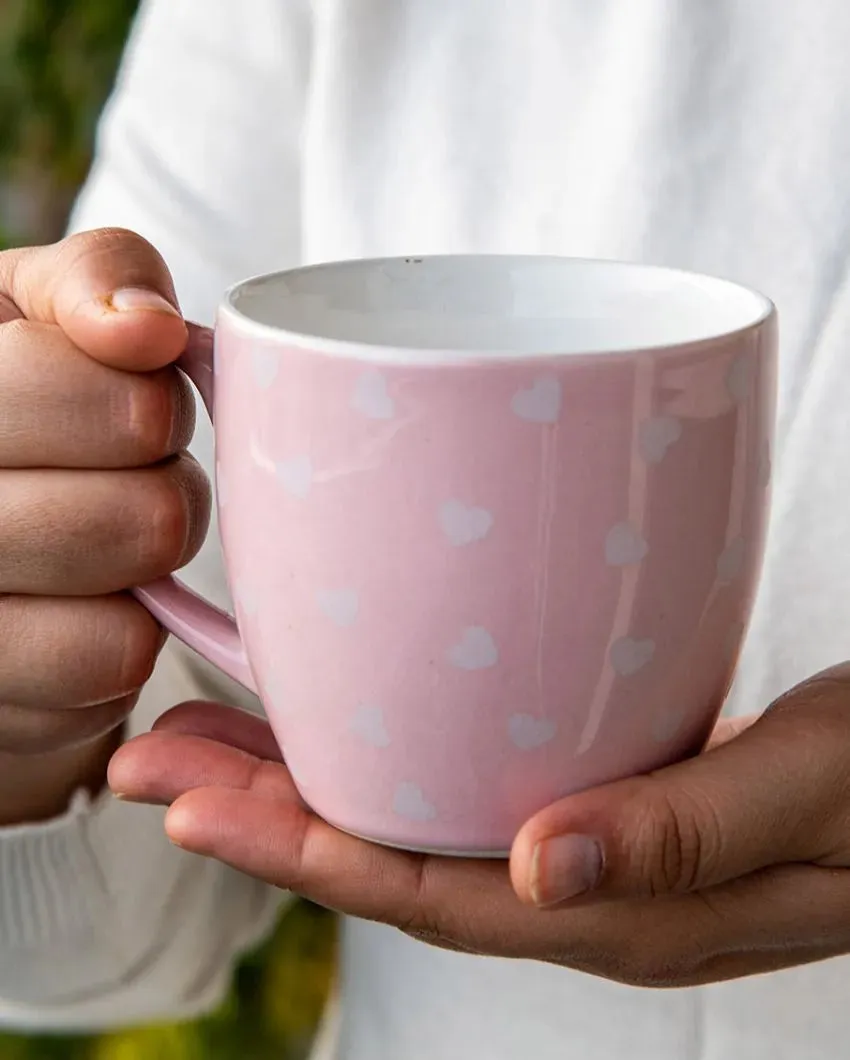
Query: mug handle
x,y
209,631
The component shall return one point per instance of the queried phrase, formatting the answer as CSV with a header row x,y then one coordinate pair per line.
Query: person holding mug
x,y
242,142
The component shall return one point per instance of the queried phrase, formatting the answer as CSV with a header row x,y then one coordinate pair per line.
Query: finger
x,y
88,533
775,793
25,731
59,408
289,847
764,922
774,919
108,290
227,725
728,729
74,652
158,767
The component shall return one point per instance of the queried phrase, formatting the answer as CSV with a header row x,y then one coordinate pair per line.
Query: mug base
x,y
440,852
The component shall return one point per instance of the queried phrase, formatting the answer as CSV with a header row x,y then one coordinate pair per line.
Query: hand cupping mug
x,y
493,527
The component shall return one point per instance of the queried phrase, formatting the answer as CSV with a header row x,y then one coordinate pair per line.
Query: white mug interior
x,y
491,306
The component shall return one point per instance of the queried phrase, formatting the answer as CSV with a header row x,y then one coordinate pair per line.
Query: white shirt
x,y
253,136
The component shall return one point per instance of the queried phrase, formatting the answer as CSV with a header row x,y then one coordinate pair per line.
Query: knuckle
x,y
19,332
74,653
417,920
644,958
654,971
159,415
12,622
85,246
106,258
676,840
197,498
425,920
175,516
160,540
128,634
632,958
32,732
183,410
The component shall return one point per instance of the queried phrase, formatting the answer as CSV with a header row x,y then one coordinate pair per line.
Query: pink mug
x,y
492,525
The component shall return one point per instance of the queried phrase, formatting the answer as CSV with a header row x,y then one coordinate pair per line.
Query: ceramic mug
x,y
492,525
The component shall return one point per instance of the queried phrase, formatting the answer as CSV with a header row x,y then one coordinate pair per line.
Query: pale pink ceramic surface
x,y
469,583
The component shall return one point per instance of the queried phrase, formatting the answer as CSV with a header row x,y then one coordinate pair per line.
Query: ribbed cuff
x,y
51,886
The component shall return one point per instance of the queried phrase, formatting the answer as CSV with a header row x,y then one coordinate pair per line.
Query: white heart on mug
x,y
539,403
265,363
296,475
476,650
730,562
368,724
656,435
371,397
666,725
341,606
628,655
410,802
624,546
463,524
527,732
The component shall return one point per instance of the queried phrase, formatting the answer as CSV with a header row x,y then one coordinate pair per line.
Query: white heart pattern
x,y
371,397
527,732
730,563
296,475
409,802
463,524
368,724
739,379
666,725
539,403
476,650
624,546
341,606
655,437
628,655
265,363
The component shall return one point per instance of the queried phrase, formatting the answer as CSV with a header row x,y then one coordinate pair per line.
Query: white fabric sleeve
x,y
102,922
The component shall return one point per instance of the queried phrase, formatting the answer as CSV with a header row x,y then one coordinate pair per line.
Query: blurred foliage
x,y
271,1013
57,62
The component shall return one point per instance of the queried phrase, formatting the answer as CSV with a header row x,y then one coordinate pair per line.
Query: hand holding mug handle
x,y
206,629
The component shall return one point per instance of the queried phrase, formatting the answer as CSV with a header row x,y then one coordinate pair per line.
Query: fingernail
x,y
564,867
133,299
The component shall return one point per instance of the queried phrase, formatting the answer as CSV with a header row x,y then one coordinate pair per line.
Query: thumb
x,y
108,290
775,794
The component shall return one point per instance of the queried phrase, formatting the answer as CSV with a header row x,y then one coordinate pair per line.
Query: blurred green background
x,y
57,62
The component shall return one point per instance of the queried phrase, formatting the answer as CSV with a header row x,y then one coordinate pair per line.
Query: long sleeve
x,y
102,921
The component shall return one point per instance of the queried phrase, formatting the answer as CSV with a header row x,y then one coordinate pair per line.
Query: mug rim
x,y
314,341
